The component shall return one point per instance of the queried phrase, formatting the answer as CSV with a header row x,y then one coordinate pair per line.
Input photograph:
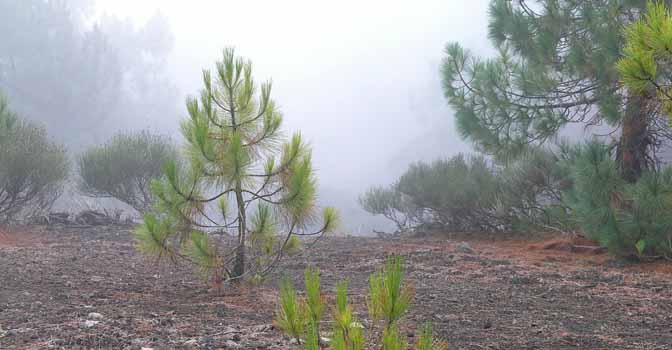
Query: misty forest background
x,y
85,70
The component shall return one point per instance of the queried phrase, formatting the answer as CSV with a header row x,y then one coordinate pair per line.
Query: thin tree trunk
x,y
239,265
633,144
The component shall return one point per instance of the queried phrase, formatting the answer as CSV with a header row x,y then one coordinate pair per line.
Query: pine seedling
x,y
392,340
312,336
348,333
292,316
389,298
426,339
314,297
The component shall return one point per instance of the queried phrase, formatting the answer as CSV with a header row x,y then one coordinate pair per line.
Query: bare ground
x,y
87,288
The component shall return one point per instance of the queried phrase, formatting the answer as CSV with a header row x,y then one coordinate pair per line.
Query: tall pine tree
x,y
556,65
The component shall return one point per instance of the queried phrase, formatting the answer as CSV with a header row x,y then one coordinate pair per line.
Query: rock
x,y
262,328
89,323
144,348
2,332
487,324
190,344
254,344
464,247
230,344
95,316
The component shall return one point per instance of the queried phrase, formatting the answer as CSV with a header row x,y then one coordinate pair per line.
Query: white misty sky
x,y
360,79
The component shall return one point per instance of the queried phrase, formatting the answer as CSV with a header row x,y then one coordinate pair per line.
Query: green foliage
x,y
32,168
392,340
531,187
292,315
470,194
456,193
630,219
348,332
645,65
125,166
239,178
555,66
314,297
390,203
389,298
426,340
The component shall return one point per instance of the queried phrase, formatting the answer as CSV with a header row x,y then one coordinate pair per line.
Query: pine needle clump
x,y
388,300
630,219
240,179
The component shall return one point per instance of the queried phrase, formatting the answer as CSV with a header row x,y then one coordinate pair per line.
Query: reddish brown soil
x,y
505,295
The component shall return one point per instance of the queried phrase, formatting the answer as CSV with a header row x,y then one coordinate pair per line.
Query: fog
x,y
360,80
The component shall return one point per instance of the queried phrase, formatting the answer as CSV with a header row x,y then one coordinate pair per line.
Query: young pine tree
x,y
389,298
234,154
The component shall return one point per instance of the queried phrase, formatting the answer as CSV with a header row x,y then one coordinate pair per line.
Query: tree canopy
x,y
556,65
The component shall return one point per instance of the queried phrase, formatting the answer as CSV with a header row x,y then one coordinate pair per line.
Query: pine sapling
x,y
292,314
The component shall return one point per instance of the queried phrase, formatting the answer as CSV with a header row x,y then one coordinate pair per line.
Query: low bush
x,y
32,168
391,204
124,167
470,194
388,300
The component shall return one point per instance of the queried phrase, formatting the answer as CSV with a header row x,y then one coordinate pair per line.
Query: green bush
x,y
630,219
531,188
32,168
390,203
388,300
124,167
470,194
459,194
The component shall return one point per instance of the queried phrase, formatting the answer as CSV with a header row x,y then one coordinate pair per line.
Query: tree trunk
x,y
239,264
634,140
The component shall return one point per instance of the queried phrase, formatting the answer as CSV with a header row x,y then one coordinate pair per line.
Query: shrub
x,y
388,300
630,219
390,203
459,194
469,194
32,168
531,188
124,167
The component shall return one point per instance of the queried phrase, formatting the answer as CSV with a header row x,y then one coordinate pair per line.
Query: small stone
x,y
95,316
262,328
230,344
89,323
191,344
464,247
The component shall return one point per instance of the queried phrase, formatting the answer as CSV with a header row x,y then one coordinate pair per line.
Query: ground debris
x,y
505,297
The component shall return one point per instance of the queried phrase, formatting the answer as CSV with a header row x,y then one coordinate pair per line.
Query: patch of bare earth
x,y
87,288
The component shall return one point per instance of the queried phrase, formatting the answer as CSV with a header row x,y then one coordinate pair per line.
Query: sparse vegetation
x,y
389,298
32,168
468,194
125,166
